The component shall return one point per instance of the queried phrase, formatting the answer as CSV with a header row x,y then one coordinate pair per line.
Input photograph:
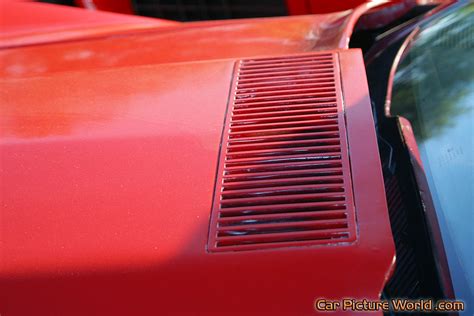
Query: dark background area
x,y
196,10
193,10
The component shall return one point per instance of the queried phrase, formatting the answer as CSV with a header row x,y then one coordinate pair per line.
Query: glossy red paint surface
x,y
109,150
178,42
87,156
195,41
28,23
109,189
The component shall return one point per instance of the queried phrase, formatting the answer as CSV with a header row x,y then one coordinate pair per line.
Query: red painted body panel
x,y
109,191
27,23
109,150
88,155
185,42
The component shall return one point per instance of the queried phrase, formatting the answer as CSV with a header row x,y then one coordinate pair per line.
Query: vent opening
x,y
283,177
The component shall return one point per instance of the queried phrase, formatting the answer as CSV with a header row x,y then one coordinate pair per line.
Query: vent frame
x,y
343,211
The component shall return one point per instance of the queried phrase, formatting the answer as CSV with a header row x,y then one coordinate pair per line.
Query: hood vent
x,y
284,174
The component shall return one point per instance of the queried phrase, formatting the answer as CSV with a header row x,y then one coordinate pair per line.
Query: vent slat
x,y
282,178
280,166
260,126
239,109
282,174
301,189
279,217
254,94
285,102
286,70
273,78
283,208
272,227
291,158
282,118
275,84
283,236
285,130
270,144
323,72
279,182
277,60
286,150
283,137
263,68
286,89
302,197
283,108
288,96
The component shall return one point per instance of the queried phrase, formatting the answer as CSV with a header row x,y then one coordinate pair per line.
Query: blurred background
x,y
196,10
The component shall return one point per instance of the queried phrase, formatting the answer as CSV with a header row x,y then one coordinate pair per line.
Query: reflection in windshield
x,y
434,89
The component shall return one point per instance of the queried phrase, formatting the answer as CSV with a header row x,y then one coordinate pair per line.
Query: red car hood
x,y
98,163
108,180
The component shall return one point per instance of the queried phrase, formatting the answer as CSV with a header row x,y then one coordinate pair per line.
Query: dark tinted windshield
x,y
434,89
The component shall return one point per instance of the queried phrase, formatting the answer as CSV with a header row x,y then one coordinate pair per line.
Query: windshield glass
x,y
434,89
